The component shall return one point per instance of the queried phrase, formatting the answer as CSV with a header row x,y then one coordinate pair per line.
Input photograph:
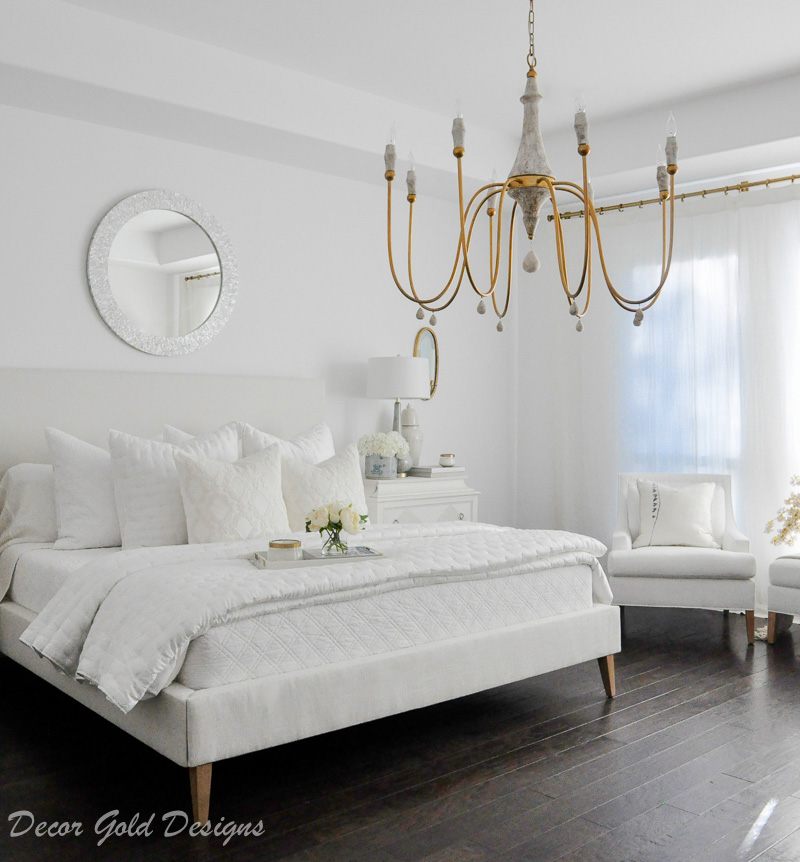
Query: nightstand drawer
x,y
420,501
425,512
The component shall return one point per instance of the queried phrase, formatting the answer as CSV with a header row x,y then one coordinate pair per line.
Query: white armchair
x,y
680,576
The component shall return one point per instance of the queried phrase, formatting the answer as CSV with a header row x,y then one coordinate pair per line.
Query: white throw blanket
x,y
124,622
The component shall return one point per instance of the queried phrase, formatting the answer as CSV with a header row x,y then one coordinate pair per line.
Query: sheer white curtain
x,y
711,382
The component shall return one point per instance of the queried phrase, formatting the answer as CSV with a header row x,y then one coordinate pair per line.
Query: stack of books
x,y
435,471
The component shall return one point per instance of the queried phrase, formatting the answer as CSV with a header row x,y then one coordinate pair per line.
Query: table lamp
x,y
396,377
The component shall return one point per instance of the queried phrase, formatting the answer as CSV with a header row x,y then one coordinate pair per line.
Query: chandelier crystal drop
x,y
530,185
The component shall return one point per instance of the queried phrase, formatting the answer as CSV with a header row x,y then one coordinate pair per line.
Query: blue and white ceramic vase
x,y
379,467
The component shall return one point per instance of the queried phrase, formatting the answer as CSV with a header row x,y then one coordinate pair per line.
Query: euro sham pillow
x,y
308,486
177,437
86,513
311,446
232,502
146,487
27,505
675,516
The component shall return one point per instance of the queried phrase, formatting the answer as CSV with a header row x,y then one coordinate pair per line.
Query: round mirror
x,y
426,345
162,273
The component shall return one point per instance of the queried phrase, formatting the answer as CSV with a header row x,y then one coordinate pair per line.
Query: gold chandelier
x,y
530,183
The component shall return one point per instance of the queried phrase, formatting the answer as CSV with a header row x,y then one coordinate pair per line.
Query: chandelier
x,y
530,184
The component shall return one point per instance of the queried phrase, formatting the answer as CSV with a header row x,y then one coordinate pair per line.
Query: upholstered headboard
x,y
88,403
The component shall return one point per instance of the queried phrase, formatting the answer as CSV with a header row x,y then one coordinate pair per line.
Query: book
x,y
435,471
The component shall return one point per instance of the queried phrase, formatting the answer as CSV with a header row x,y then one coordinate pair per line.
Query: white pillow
x,y
307,486
27,505
208,444
311,446
146,488
675,516
84,492
231,502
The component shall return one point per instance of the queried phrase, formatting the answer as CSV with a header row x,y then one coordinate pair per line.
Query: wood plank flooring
x,y
698,757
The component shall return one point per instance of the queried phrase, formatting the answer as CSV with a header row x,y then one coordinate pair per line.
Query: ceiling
x,y
624,56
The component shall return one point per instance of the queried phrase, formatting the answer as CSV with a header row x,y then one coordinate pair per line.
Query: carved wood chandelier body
x,y
530,184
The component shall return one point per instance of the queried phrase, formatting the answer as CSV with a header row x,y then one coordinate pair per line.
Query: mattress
x,y
39,573
334,632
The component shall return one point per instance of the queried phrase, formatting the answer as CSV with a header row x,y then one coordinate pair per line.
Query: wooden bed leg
x,y
200,780
606,663
750,617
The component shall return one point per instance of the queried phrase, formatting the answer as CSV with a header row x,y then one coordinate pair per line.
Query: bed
x,y
451,609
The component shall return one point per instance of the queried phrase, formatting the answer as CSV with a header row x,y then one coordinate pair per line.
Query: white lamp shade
x,y
398,377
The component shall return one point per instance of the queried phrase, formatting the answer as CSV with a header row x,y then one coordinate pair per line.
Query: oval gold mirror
x,y
426,345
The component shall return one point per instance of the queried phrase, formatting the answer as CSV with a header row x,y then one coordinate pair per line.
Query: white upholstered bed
x,y
374,640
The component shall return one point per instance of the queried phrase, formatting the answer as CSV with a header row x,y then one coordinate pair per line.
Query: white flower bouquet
x,y
332,519
384,444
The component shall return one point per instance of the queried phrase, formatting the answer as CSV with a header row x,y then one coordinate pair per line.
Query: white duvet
x,y
124,623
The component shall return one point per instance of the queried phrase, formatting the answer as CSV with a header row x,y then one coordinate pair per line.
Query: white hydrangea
x,y
384,444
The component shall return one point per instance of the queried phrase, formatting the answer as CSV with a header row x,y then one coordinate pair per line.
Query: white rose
x,y
351,520
334,509
319,518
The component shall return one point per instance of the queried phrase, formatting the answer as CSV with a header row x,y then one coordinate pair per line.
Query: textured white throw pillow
x,y
232,502
85,509
27,505
311,446
675,516
146,488
307,486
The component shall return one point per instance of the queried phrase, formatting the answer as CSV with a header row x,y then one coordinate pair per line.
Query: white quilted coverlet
x,y
318,635
124,623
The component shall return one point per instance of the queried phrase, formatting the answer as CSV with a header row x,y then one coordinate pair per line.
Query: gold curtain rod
x,y
740,187
202,275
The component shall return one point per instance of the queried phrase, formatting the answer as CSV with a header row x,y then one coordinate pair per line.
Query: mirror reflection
x,y
164,273
426,345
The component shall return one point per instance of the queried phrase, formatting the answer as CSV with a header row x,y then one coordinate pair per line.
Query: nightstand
x,y
418,501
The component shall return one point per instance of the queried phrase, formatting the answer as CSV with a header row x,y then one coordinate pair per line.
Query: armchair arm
x,y
734,540
621,541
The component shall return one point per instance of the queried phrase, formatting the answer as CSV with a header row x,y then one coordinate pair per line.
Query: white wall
x,y
315,295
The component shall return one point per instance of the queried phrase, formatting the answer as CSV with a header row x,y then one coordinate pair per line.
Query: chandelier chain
x,y
531,53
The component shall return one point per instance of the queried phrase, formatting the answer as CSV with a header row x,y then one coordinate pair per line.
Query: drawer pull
x,y
460,516
396,521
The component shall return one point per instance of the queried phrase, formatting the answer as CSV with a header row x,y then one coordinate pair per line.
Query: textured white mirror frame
x,y
97,269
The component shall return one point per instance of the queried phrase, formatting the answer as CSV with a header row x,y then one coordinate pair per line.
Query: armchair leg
x,y
606,663
776,624
751,626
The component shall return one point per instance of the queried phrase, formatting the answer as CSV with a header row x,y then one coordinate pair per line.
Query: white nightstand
x,y
417,501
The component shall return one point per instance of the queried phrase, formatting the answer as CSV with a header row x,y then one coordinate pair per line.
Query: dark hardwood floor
x,y
698,757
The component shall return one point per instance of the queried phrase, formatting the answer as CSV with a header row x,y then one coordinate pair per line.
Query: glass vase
x,y
334,545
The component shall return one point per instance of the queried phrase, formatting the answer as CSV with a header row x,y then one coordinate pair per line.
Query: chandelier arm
x,y
465,214
494,268
413,296
586,273
510,261
428,302
562,262
646,301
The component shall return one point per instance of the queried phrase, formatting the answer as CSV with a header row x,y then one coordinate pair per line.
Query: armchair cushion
x,y
680,562
785,572
675,516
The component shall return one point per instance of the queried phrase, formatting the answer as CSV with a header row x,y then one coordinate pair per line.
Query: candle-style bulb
x,y
458,112
412,162
391,137
672,126
580,104
493,176
661,159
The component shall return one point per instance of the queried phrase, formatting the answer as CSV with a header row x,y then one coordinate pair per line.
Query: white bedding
x,y
324,634
40,571
124,622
